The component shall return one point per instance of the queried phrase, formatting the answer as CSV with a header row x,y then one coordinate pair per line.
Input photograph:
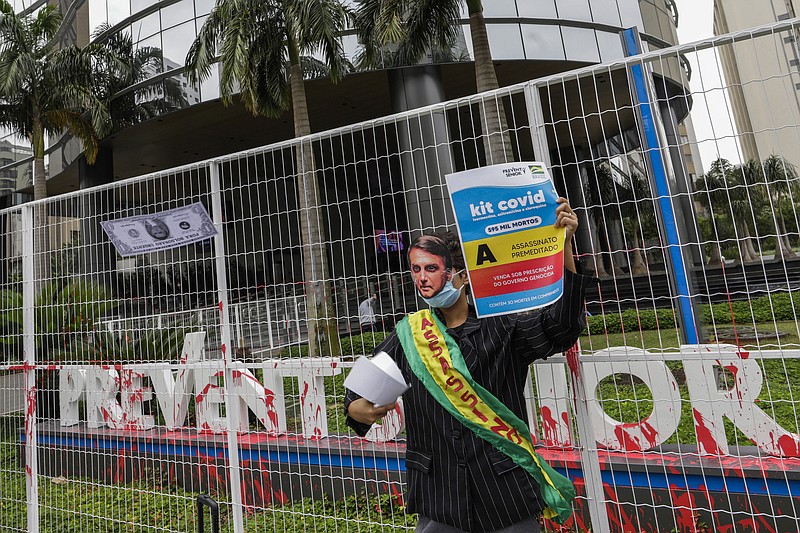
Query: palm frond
x,y
320,24
379,23
429,24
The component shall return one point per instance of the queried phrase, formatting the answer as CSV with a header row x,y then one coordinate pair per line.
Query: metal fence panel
x,y
217,366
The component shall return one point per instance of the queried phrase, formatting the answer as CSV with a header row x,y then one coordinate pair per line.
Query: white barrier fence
x,y
114,397
217,366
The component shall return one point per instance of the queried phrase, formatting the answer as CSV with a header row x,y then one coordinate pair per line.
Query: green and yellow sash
x,y
437,361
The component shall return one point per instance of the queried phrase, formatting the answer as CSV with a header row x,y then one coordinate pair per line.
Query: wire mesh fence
x,y
212,361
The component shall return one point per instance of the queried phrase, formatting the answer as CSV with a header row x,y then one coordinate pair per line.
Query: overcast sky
x,y
711,117
694,19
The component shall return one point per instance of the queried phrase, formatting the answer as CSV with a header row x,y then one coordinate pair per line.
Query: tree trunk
x,y
496,139
715,255
781,250
638,266
784,238
323,335
601,239
749,254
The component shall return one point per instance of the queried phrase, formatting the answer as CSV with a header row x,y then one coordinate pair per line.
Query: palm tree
x,y
131,107
726,191
261,44
780,178
712,194
46,90
749,202
416,26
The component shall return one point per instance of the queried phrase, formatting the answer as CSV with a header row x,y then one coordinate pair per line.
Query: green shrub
x,y
352,346
764,309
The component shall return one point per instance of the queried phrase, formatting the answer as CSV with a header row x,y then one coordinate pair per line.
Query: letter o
x,y
512,204
655,428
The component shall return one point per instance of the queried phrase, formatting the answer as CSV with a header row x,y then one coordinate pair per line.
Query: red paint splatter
x,y
549,426
788,446
685,509
572,360
627,441
649,433
704,436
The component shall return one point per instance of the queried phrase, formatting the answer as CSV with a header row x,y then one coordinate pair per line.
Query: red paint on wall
x,y
788,446
549,426
704,435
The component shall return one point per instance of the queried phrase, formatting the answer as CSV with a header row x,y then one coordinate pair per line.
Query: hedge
x,y
777,306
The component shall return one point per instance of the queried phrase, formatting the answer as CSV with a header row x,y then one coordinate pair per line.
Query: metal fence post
x,y
232,415
29,366
651,144
590,462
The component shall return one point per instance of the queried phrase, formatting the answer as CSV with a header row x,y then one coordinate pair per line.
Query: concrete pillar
x,y
424,143
575,177
684,210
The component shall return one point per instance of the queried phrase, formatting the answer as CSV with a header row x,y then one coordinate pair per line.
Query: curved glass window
x,y
506,41
542,42
203,7
580,44
610,46
118,11
574,9
538,9
139,5
605,12
97,15
629,13
177,13
154,42
500,8
145,27
177,41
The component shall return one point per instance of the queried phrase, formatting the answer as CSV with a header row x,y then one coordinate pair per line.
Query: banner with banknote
x,y
172,228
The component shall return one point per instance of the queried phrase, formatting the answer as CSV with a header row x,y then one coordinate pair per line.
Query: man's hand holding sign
x,y
471,461
566,218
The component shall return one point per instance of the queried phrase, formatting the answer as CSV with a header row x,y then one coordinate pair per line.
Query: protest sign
x,y
514,254
142,234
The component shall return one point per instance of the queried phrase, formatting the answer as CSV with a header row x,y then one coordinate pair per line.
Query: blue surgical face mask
x,y
446,297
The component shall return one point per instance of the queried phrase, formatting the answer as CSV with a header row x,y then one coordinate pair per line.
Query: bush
x,y
631,320
352,346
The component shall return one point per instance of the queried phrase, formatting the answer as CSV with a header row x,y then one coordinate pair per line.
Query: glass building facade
x,y
575,32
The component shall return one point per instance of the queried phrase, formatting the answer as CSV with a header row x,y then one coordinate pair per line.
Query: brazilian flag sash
x,y
437,361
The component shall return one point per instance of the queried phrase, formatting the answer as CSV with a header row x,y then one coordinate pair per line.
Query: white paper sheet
x,y
377,379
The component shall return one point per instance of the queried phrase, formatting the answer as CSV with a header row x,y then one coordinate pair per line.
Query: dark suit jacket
x,y
455,477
